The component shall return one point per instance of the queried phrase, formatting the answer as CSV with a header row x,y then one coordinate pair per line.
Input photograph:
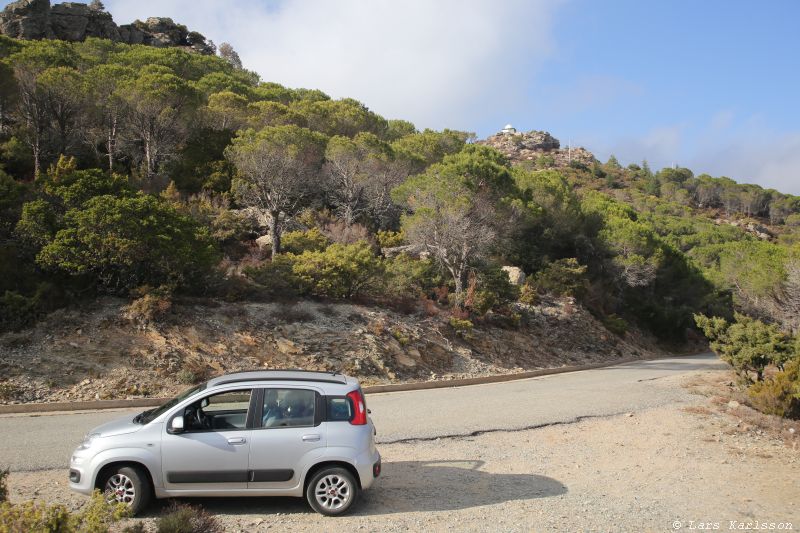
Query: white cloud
x,y
437,63
771,160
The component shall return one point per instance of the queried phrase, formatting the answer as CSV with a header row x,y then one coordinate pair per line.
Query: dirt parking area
x,y
664,469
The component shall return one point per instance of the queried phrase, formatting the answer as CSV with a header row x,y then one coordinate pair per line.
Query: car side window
x,y
218,412
288,408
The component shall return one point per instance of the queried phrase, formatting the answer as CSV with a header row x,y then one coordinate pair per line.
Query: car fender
x,y
150,459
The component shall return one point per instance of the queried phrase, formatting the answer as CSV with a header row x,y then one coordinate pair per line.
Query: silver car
x,y
263,433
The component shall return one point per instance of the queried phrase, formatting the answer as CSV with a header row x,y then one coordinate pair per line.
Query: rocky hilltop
x,y
533,145
72,21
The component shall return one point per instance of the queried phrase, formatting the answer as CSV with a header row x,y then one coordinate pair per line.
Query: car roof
x,y
279,375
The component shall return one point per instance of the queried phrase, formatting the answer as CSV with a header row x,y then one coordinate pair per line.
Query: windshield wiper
x,y
139,419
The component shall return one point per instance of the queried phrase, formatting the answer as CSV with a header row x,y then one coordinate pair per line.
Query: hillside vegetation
x,y
155,173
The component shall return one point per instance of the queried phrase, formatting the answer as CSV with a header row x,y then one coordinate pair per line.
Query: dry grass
x,y
725,397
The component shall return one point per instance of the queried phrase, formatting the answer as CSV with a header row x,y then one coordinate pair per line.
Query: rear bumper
x,y
366,468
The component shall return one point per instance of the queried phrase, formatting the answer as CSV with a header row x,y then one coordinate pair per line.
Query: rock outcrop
x,y
539,147
72,21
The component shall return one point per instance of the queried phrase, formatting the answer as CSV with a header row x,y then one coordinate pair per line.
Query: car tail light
x,y
359,408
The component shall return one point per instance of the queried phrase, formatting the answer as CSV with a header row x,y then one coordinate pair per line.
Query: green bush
x,y
297,242
124,243
492,289
32,517
182,518
277,277
406,277
615,324
565,277
390,239
18,311
780,394
748,345
340,271
461,326
3,485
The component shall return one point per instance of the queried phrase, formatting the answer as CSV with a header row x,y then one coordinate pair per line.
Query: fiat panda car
x,y
262,433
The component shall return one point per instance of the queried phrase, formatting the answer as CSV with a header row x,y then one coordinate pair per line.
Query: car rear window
x,y
340,409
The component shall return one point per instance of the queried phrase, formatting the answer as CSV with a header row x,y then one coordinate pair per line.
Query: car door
x,y
288,433
212,453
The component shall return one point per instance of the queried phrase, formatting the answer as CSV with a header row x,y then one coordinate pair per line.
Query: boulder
x,y
74,21
265,241
515,275
26,19
532,145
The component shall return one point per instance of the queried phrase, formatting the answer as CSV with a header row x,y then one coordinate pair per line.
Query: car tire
x,y
129,485
332,491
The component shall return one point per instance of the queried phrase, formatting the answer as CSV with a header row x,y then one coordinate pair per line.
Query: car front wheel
x,y
332,491
129,485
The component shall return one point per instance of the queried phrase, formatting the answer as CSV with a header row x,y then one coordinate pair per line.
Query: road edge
x,y
29,408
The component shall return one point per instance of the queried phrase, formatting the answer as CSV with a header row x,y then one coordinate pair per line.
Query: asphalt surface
x,y
44,441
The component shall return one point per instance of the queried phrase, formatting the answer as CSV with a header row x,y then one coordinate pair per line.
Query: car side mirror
x,y
176,425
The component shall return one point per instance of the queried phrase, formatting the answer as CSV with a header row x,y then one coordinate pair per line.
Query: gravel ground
x,y
645,471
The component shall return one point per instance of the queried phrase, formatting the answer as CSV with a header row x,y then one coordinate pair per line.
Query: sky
x,y
712,85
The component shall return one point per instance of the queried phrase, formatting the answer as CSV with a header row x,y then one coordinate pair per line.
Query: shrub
x,y
747,344
340,271
780,394
615,324
183,518
489,290
297,242
565,277
390,239
461,326
277,277
127,242
8,391
151,304
406,277
186,377
528,294
401,337
19,311
3,485
339,232
95,517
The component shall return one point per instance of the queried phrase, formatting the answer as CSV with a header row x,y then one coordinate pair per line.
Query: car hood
x,y
120,426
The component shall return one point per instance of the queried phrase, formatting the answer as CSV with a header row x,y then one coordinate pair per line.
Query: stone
x,y
531,146
515,275
74,21
265,241
733,404
26,19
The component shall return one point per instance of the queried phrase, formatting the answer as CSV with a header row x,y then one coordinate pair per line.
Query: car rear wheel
x,y
129,485
332,491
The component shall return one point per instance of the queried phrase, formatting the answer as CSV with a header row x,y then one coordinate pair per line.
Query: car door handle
x,y
237,440
310,438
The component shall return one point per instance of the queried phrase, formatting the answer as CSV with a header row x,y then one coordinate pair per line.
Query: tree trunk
x,y
459,289
111,143
274,235
37,165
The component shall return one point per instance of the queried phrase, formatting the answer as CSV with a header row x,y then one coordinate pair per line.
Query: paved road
x,y
44,441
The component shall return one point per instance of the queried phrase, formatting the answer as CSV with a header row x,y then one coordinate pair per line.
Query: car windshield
x,y
147,416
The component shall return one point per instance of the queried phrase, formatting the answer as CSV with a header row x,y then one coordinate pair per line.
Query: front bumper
x,y
80,476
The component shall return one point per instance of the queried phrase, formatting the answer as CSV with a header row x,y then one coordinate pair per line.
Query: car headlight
x,y
88,440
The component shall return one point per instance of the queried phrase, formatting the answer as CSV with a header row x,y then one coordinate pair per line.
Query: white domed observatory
x,y
508,130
